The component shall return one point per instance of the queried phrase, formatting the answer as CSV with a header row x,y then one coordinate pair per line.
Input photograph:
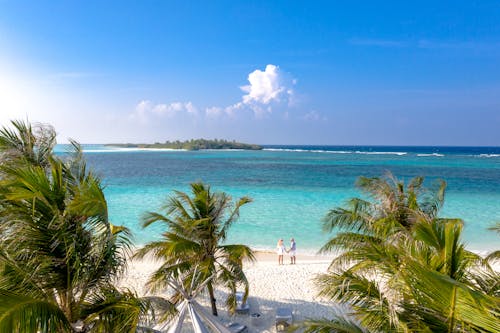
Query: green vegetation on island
x,y
193,144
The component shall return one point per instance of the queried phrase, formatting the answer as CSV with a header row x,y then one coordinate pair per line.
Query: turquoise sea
x,y
293,187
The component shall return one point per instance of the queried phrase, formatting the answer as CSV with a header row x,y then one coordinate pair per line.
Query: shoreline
x,y
313,254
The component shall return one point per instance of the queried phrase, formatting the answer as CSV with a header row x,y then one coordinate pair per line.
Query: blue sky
x,y
277,72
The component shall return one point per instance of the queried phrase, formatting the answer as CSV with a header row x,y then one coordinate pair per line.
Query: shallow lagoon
x,y
294,187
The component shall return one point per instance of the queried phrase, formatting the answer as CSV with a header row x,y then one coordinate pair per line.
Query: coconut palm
x,y
393,209
197,229
428,283
401,268
59,254
27,144
367,227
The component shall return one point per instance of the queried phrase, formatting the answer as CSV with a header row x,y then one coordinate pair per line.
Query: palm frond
x,y
24,144
233,215
401,268
21,313
458,303
197,225
356,217
57,248
237,252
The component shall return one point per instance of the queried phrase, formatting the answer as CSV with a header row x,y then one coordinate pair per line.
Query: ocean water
x,y
293,187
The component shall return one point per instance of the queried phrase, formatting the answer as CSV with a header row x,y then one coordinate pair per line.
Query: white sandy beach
x,y
271,286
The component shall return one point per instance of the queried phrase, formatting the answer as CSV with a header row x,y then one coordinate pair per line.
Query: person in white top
x,y
280,249
291,252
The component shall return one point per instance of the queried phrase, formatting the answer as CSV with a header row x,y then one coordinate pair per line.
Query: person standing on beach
x,y
281,251
292,251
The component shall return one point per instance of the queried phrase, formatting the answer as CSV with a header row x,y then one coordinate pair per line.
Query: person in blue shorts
x,y
292,251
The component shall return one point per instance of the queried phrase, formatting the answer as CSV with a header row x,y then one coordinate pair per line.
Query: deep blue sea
x,y
293,187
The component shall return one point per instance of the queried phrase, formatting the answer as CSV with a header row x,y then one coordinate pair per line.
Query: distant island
x,y
193,144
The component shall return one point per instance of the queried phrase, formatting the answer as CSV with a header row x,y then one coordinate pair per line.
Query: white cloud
x,y
266,89
144,110
231,109
213,112
190,108
143,106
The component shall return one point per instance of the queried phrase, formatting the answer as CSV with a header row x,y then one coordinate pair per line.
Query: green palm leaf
x,y
197,227
58,251
402,268
20,313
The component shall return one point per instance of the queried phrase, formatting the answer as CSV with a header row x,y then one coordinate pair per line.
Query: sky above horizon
x,y
267,72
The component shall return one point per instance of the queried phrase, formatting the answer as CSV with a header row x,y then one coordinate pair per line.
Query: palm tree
x,y
393,208
24,143
197,229
401,268
59,254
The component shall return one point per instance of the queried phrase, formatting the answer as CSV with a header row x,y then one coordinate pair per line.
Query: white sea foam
x,y
433,154
489,155
286,149
226,149
309,150
337,151
334,151
382,153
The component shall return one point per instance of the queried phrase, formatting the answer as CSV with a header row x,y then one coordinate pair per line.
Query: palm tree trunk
x,y
212,298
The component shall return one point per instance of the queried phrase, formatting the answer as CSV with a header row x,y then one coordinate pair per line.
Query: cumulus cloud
x,y
266,90
230,111
264,87
172,109
145,109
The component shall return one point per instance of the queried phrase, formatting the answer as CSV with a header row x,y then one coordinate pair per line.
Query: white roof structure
x,y
200,319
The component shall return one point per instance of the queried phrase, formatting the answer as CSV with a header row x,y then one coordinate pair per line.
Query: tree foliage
x,y
401,268
59,254
195,241
193,144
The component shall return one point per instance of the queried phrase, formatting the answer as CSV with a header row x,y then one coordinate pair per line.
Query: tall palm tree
x,y
401,268
59,254
197,229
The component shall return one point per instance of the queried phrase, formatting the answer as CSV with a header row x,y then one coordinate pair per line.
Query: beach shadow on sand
x,y
266,308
